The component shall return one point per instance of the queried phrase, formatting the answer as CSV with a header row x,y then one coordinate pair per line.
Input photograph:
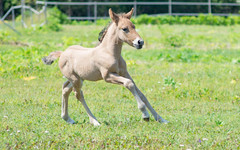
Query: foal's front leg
x,y
144,99
141,104
129,84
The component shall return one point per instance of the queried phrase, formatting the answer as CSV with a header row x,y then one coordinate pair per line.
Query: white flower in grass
x,y
181,145
35,147
204,139
46,131
8,130
5,116
18,131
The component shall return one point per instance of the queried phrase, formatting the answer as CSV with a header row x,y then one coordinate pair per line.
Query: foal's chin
x,y
138,46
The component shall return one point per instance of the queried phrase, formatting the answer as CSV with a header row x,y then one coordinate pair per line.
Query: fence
x,y
135,4
23,7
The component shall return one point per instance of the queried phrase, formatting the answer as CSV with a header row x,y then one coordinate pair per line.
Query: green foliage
x,y
169,81
68,41
189,20
55,13
175,40
103,21
55,17
3,36
7,38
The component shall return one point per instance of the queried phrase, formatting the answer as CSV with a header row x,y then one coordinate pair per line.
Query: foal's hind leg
x,y
66,90
79,95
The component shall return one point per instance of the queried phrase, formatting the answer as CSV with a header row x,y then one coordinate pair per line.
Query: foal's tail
x,y
48,60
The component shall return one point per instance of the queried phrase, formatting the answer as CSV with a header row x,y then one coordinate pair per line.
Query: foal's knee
x,y
67,89
129,84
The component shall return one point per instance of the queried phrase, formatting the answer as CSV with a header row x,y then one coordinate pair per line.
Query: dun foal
x,y
102,62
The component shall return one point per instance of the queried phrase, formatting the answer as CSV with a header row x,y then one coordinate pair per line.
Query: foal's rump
x,y
48,60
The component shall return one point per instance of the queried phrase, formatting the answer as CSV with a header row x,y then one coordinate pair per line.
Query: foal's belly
x,y
88,71
89,74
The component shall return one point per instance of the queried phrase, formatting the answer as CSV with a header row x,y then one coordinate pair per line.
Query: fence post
x,y
22,12
45,12
170,7
13,18
209,7
135,8
95,11
31,17
89,8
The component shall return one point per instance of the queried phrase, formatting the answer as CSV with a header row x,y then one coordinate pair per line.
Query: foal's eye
x,y
125,29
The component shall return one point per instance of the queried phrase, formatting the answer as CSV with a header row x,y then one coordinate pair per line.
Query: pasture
x,y
189,73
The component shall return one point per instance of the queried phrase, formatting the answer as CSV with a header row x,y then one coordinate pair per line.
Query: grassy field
x,y
190,74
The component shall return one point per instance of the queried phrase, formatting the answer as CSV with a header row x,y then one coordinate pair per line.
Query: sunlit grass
x,y
194,85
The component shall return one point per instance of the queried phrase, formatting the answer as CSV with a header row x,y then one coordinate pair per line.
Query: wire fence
x,y
23,7
170,4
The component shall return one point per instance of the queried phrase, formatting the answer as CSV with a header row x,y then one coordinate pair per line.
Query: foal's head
x,y
126,29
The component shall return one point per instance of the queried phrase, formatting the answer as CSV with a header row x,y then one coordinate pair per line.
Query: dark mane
x,y
103,32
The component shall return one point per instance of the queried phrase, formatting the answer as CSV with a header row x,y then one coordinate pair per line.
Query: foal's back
x,y
77,62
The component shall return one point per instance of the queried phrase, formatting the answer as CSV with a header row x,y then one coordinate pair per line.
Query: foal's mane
x,y
104,30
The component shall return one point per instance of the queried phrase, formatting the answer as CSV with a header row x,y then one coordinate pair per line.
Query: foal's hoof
x,y
163,121
146,119
95,122
70,121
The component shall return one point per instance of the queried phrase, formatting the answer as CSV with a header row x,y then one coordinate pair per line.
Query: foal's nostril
x,y
140,42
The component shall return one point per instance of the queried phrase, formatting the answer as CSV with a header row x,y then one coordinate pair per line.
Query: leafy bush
x,y
174,40
103,21
57,14
3,36
55,17
190,20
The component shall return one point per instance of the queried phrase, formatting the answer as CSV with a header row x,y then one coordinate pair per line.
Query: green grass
x,y
190,74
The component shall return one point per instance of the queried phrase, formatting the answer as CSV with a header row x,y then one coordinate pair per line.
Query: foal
x,y
102,62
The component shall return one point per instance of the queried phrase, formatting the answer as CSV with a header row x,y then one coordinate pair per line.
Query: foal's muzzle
x,y
138,43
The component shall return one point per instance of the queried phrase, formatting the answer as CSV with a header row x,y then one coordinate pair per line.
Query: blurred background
x,y
190,6
34,12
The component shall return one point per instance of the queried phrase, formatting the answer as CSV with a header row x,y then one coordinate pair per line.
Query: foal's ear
x,y
113,16
129,14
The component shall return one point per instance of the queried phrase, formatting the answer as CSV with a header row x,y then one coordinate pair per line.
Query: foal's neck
x,y
111,43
